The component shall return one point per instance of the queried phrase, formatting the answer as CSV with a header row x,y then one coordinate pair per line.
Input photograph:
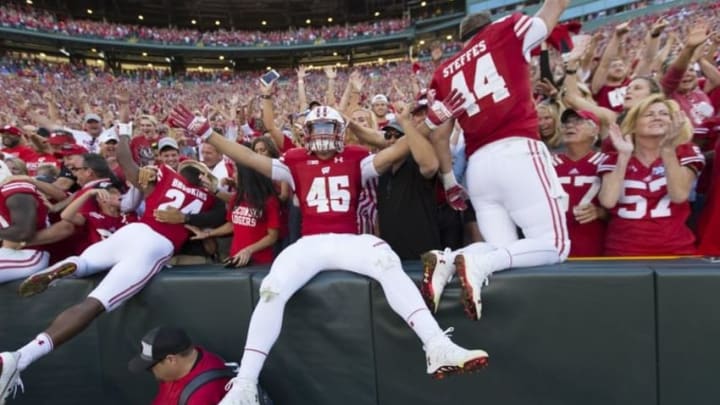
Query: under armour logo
x,y
338,159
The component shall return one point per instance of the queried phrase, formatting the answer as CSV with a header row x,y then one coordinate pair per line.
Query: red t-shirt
x,y
249,226
493,74
172,190
328,190
695,103
142,151
612,97
42,159
582,184
23,152
209,394
645,221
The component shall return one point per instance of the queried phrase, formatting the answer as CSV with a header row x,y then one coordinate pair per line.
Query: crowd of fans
x,y
30,18
44,102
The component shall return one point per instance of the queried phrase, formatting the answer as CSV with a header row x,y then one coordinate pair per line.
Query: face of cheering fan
x,y
654,121
637,90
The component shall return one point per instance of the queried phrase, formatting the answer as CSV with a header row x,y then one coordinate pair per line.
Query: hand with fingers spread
x,y
301,72
181,117
697,35
622,142
330,72
679,119
440,111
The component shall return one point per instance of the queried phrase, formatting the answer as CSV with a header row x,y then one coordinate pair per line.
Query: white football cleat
x,y
446,358
436,274
9,375
473,274
241,391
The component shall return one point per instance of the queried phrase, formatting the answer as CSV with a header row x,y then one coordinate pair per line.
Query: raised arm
x,y
697,36
652,47
420,147
199,126
268,114
611,51
302,96
551,11
331,75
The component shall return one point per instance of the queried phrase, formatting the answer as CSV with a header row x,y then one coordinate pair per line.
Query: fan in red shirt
x,y
577,171
646,184
510,179
253,218
175,362
327,176
11,137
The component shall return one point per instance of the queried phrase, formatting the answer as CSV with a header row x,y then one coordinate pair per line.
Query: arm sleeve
x,y
281,172
532,31
367,168
211,218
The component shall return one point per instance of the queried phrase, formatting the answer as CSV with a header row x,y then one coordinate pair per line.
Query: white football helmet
x,y
324,130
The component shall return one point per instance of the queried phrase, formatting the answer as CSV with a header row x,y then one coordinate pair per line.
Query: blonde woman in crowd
x,y
646,184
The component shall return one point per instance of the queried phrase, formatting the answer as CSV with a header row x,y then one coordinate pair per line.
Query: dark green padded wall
x,y
572,334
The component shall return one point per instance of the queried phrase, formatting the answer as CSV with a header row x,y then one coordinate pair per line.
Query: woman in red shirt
x,y
646,184
253,218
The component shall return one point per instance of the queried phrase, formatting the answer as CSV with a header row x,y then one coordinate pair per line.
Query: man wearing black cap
x,y
179,366
406,194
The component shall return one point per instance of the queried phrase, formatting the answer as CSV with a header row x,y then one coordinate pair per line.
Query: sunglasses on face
x,y
393,134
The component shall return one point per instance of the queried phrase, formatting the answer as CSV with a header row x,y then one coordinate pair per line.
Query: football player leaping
x,y
327,177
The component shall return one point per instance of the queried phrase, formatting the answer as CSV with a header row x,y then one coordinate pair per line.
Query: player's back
x,y
22,187
172,190
494,76
328,190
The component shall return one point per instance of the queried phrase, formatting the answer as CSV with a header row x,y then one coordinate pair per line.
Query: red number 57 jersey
x,y
645,221
493,73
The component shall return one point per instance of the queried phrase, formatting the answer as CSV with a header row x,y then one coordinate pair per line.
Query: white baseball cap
x,y
379,98
108,135
167,142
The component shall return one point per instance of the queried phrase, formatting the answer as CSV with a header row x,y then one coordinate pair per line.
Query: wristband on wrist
x,y
125,129
265,96
570,71
654,35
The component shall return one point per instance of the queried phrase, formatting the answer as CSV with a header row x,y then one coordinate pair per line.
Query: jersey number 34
x,y
487,82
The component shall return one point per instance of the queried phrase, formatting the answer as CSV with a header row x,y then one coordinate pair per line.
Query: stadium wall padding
x,y
578,333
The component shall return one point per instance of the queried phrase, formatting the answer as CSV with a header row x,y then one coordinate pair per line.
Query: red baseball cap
x,y
71,149
584,114
9,129
61,137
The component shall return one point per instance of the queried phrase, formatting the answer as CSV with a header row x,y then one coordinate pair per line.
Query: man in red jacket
x,y
176,363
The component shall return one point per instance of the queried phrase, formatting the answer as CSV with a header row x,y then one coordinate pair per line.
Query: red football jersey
x,y
22,187
582,184
612,97
328,190
172,190
645,221
98,226
249,226
493,74
22,152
